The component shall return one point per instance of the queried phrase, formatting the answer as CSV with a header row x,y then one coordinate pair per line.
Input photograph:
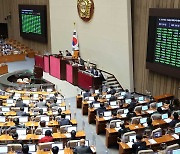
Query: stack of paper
x,y
152,141
130,144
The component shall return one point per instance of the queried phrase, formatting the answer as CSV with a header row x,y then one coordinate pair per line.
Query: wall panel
x,y
144,79
7,6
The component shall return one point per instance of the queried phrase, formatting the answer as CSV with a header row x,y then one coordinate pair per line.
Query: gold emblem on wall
x,y
85,9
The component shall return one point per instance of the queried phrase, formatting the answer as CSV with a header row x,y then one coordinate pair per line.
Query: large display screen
x,y
33,22
163,51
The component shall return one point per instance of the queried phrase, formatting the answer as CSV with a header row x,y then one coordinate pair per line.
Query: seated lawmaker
x,y
128,94
133,103
111,90
64,121
55,150
47,138
95,100
41,103
25,149
113,97
175,120
101,109
82,149
19,103
86,94
138,145
22,113
12,129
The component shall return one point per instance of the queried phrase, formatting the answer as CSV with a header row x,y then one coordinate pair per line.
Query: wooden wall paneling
x,y
144,79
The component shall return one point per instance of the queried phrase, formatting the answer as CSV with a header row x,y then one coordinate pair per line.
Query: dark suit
x,y
86,94
22,113
137,146
113,98
100,110
65,121
20,104
173,123
82,150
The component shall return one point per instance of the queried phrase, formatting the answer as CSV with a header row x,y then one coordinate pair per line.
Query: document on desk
x,y
152,141
107,118
130,144
168,120
175,136
141,102
116,129
68,135
22,137
145,124
150,111
123,115
114,106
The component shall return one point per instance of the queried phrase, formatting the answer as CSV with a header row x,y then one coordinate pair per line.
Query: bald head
x,y
82,142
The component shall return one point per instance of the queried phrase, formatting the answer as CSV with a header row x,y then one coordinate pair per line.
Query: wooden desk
x,y
85,106
111,137
100,125
163,97
52,123
78,101
12,58
92,114
168,139
7,137
3,69
111,133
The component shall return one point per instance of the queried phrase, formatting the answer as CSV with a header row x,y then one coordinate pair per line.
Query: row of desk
x,y
61,68
3,69
12,58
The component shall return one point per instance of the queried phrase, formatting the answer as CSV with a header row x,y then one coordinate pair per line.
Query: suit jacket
x,y
20,104
113,98
86,94
100,110
21,113
137,146
173,123
65,121
41,104
82,150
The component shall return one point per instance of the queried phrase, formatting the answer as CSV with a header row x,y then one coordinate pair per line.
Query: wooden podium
x,y
3,69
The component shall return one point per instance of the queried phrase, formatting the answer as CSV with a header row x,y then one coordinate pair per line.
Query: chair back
x,y
45,146
136,120
156,130
156,116
38,131
178,124
120,111
125,137
112,123
138,109
149,151
14,147
153,105
72,143
171,147
63,129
